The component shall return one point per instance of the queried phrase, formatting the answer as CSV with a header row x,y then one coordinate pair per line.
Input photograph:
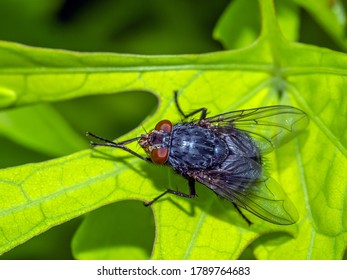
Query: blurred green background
x,y
125,26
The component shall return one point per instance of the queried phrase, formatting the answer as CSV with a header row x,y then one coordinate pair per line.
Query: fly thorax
x,y
196,147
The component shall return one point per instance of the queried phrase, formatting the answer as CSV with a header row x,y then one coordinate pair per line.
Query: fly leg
x,y
192,193
242,215
202,110
120,145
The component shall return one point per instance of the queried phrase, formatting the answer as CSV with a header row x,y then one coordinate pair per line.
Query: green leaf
x,y
117,237
241,32
237,29
33,134
35,197
331,16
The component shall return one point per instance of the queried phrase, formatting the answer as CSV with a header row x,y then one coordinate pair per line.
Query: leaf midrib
x,y
151,68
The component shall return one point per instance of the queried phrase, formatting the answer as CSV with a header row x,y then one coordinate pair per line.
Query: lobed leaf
x,y
35,197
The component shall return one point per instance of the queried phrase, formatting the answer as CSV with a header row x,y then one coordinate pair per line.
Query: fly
x,y
225,153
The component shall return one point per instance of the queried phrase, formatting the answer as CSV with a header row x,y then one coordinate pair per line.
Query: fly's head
x,y
156,143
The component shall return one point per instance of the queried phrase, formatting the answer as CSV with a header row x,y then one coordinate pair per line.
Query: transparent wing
x,y
270,127
267,201
264,199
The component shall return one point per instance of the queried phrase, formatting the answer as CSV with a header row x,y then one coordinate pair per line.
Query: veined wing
x,y
264,199
270,127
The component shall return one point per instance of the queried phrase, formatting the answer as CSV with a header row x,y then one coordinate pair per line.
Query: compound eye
x,y
164,125
159,156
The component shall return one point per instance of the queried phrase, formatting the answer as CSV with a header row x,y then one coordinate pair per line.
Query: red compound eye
x,y
164,125
160,155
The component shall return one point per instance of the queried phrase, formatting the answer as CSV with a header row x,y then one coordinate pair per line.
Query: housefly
x,y
225,153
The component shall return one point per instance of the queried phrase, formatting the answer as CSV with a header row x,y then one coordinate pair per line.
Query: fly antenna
x,y
144,129
109,143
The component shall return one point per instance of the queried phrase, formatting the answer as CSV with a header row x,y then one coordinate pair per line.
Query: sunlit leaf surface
x,y
311,168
